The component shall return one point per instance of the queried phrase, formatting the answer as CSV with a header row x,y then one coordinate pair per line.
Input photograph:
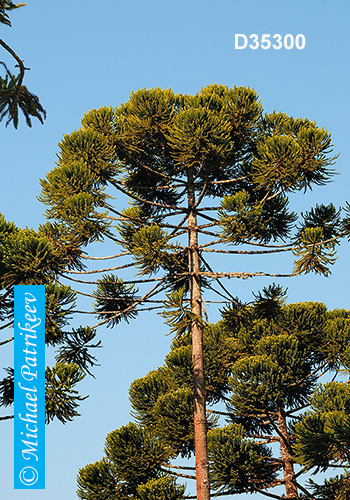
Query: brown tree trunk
x,y
200,421
288,469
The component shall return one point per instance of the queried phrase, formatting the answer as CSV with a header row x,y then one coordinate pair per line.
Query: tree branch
x,y
6,341
178,474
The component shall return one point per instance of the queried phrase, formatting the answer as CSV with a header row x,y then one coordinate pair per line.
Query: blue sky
x,y
85,54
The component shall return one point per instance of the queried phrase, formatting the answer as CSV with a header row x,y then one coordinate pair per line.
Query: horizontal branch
x,y
165,176
10,323
268,494
130,282
131,264
248,252
179,467
179,474
142,200
229,181
246,275
6,341
96,313
105,258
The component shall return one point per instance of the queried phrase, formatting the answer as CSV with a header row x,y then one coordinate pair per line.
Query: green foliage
x,y
345,224
162,401
293,155
164,488
59,305
7,388
238,464
263,361
169,154
136,455
243,217
323,435
266,381
8,5
97,482
268,304
38,257
145,391
15,97
166,409
27,258
335,488
76,349
93,150
199,136
135,217
114,300
61,399
78,196
326,217
153,145
216,360
151,249
34,257
314,254
173,413
337,332
101,121
177,314
109,479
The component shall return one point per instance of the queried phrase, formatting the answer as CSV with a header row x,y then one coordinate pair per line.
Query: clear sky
x,y
86,54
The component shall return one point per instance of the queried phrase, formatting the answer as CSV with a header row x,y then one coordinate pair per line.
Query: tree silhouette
x,y
14,96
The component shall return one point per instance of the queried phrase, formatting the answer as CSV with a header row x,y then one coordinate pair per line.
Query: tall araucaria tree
x,y
209,166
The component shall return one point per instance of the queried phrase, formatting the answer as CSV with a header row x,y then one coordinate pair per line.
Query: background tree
x,y
15,96
209,166
29,258
265,363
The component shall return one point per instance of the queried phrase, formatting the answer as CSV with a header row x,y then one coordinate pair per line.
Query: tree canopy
x,y
205,175
273,419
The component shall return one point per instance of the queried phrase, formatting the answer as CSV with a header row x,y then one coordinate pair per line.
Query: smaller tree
x,y
30,257
264,362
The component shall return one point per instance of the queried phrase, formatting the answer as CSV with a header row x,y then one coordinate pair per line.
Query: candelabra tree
x,y
29,257
203,174
267,362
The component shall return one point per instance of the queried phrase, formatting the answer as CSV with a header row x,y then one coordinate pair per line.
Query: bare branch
x,y
10,323
168,177
248,252
102,270
247,275
6,341
141,200
179,467
107,257
229,181
178,474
